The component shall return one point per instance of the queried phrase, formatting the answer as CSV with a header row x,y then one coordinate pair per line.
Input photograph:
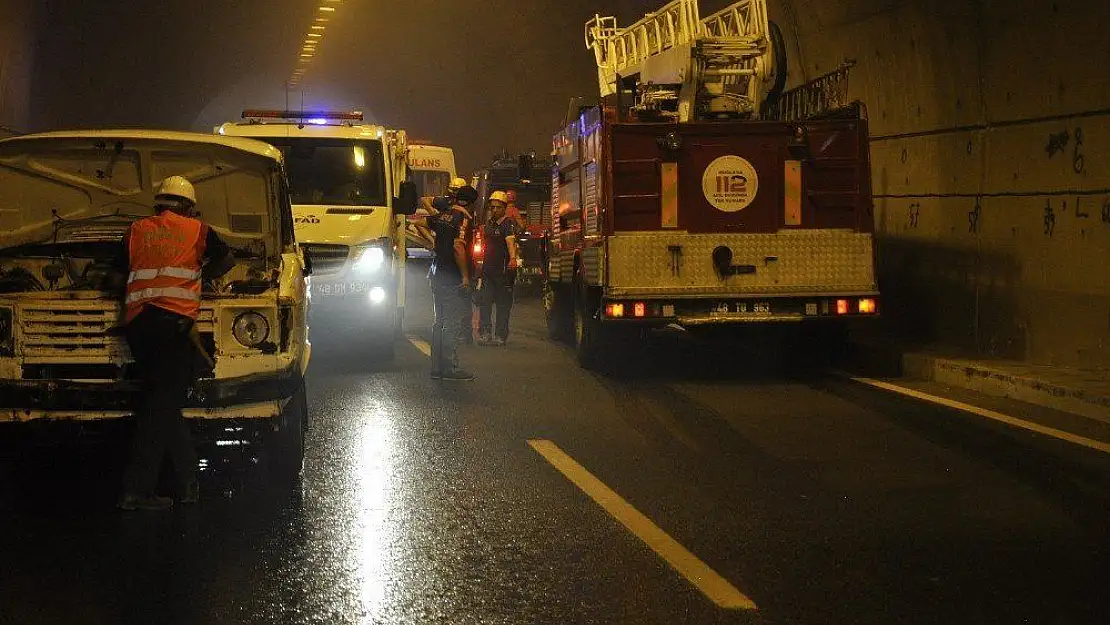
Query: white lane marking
x,y
421,345
989,414
698,573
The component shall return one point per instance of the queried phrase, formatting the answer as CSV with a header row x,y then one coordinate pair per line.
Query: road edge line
x,y
421,345
987,413
718,589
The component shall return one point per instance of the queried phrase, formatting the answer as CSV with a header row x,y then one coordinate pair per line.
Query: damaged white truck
x,y
66,200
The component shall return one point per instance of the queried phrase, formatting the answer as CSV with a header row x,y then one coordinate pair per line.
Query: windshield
x,y
430,183
341,172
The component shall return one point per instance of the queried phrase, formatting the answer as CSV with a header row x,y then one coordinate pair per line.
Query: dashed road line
x,y
989,414
698,573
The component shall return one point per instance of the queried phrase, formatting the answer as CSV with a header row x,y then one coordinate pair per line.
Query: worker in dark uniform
x,y
442,204
498,275
166,256
450,282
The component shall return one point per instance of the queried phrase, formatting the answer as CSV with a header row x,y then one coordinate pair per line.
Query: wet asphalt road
x,y
823,501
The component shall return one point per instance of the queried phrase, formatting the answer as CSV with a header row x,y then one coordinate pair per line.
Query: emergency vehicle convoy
x,y
527,182
347,181
699,193
66,201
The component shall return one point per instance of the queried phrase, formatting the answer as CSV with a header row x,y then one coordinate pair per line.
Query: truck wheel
x,y
286,447
557,311
589,342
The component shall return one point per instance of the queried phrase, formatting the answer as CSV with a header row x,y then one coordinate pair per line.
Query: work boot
x,y
500,341
190,493
456,375
130,501
485,340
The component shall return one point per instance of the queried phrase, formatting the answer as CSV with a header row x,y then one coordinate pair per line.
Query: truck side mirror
x,y
407,201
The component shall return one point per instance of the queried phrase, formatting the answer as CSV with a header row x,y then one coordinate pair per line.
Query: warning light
x,y
477,249
842,307
311,116
867,306
639,309
614,310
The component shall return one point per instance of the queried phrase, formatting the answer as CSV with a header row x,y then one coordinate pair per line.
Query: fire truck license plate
x,y
341,289
741,309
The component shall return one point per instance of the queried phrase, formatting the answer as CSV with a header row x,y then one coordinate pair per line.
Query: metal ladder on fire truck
x,y
683,67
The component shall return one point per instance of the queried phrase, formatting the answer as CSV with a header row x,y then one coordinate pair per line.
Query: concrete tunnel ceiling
x,y
990,125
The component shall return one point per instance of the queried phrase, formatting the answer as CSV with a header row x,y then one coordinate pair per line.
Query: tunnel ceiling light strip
x,y
313,37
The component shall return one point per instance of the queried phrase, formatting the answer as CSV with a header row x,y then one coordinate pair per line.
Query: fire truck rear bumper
x,y
254,396
857,307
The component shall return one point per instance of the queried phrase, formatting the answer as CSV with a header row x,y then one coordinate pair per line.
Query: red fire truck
x,y
701,194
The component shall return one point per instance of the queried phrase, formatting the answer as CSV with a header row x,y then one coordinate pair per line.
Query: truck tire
x,y
589,334
558,311
286,444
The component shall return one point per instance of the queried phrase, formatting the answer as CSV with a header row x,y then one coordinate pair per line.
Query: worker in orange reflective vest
x,y
167,256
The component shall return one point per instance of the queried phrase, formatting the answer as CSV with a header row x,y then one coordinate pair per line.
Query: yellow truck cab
x,y
349,195
66,201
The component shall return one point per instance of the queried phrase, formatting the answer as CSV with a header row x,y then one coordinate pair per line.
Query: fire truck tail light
x,y
842,307
477,249
867,306
614,310
639,309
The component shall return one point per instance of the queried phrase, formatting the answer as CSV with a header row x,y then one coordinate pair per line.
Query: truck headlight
x,y
251,329
7,332
371,260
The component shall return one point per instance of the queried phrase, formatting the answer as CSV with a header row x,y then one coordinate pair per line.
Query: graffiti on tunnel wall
x,y
1058,143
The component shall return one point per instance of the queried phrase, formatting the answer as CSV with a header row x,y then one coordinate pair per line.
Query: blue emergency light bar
x,y
318,118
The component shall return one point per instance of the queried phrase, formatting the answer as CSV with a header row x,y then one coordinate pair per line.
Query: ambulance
x,y
348,181
433,167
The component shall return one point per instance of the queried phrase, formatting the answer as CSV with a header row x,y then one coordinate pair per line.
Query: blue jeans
x,y
449,309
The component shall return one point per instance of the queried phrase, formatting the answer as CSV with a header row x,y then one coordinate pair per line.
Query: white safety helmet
x,y
177,188
456,184
499,196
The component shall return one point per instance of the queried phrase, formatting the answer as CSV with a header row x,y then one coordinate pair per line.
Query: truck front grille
x,y
68,331
327,259
76,332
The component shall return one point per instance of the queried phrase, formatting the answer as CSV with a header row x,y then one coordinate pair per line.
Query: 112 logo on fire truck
x,y
730,183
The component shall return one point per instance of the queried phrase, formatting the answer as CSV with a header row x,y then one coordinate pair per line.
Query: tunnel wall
x,y
16,46
990,123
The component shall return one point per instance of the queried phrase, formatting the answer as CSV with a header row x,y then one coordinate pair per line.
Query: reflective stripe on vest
x,y
171,272
154,293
